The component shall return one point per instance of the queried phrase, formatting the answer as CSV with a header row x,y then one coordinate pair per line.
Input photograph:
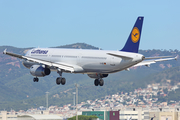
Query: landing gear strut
x,y
35,79
60,80
99,81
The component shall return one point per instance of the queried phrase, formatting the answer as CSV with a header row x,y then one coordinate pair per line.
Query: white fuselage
x,y
85,61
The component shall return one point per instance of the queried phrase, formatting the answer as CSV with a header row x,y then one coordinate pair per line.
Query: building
x,y
149,114
164,114
103,115
5,116
133,114
39,117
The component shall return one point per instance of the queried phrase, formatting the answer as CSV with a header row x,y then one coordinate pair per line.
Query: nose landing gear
x,y
35,79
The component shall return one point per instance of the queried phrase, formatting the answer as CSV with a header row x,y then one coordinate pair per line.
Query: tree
x,y
165,91
172,82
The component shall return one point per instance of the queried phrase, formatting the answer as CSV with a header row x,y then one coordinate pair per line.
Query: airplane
x,y
97,64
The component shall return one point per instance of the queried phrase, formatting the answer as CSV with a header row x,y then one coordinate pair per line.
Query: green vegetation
x,y
84,117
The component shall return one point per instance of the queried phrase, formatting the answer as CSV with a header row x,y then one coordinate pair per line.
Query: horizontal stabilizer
x,y
119,55
149,58
148,62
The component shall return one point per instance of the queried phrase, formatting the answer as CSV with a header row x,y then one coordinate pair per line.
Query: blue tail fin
x,y
132,44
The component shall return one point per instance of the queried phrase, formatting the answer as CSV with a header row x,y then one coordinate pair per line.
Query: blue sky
x,y
101,23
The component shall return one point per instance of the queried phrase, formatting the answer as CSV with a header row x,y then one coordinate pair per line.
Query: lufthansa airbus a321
x,y
96,64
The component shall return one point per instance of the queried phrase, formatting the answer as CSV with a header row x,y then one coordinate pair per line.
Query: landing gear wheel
x,y
96,82
58,81
63,81
101,82
35,79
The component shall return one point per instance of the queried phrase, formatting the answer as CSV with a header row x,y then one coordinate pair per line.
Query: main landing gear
x,y
99,81
60,80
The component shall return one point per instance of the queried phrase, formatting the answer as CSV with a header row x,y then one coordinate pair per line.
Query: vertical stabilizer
x,y
132,44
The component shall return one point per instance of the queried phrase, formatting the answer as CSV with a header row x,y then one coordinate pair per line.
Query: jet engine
x,y
96,75
39,70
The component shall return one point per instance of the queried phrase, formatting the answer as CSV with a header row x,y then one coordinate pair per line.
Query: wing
x,y
147,60
60,65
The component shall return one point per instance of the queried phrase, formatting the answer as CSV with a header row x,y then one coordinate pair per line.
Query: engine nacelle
x,y
39,71
96,75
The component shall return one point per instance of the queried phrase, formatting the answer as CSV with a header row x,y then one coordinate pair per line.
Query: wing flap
x,y
146,63
37,60
52,64
64,66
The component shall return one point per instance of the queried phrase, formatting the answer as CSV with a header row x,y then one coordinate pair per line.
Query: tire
x,y
101,82
37,79
34,79
58,81
96,82
63,81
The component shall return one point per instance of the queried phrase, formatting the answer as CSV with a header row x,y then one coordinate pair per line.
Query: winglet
x,y
176,57
132,44
4,52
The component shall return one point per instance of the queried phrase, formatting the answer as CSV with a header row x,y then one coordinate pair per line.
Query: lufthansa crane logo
x,y
135,35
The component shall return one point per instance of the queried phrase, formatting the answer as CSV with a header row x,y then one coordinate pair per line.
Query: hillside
x,y
18,91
